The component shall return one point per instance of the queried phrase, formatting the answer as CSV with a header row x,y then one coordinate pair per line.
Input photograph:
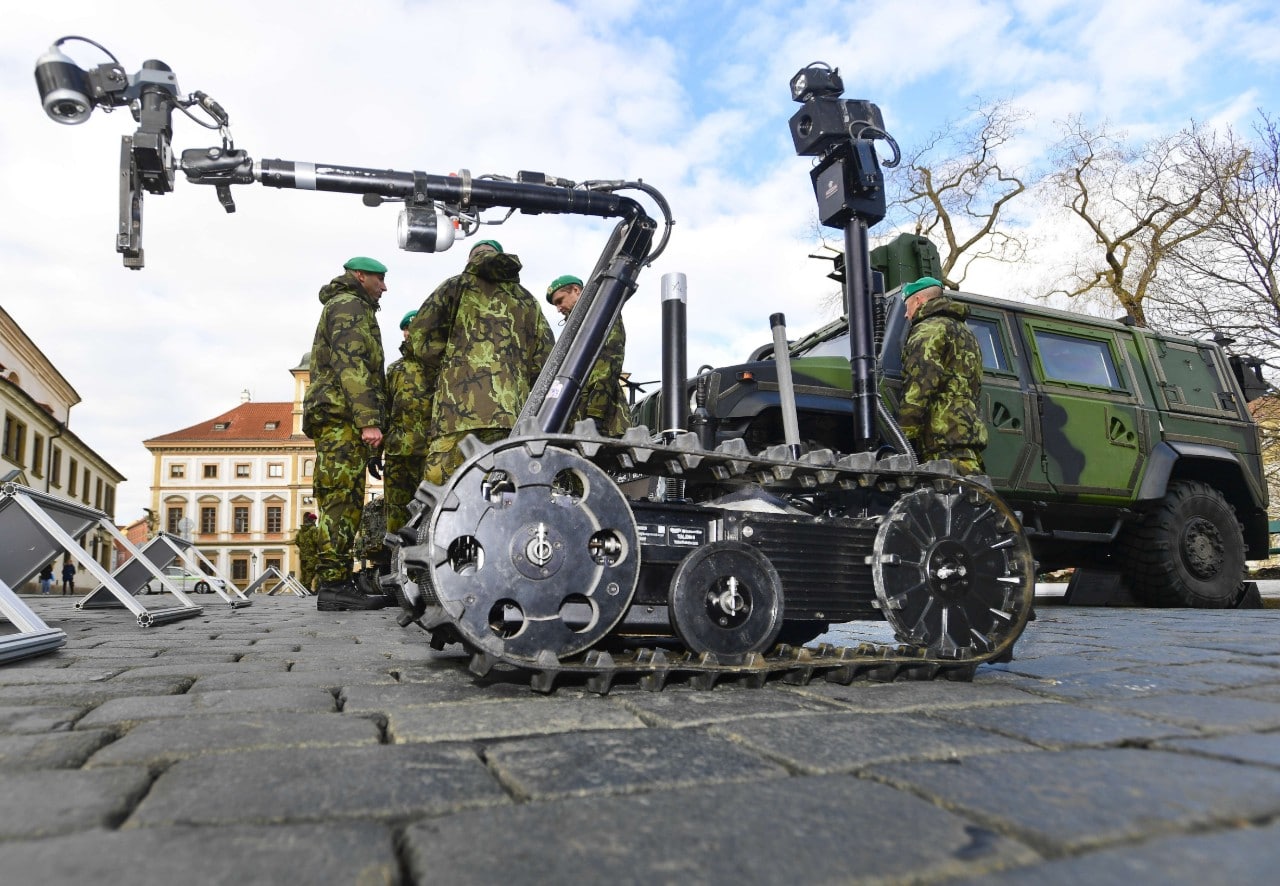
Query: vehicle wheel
x,y
1187,551
202,587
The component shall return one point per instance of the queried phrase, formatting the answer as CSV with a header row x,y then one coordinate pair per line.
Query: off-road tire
x,y
1188,550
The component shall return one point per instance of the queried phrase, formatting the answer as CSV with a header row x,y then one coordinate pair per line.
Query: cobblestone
x,y
280,744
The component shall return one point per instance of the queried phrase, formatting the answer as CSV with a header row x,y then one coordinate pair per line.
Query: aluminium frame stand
x,y
34,637
162,550
283,583
36,526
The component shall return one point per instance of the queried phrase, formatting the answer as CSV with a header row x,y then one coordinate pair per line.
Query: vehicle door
x,y
1011,451
1093,438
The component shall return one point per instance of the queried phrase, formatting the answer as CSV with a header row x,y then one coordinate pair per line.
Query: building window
x,y
211,472
242,471
37,455
208,520
271,425
72,474
109,503
239,569
172,518
97,493
84,488
308,467
15,440
55,467
276,564
177,472
241,518
275,520
222,426
275,470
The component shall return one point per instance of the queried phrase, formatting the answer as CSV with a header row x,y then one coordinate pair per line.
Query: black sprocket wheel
x,y
953,571
533,552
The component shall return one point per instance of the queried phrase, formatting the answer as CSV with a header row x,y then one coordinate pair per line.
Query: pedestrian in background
x,y
68,577
481,340
343,414
602,398
46,579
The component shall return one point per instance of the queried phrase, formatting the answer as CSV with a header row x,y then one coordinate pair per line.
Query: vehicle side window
x,y
988,334
1069,358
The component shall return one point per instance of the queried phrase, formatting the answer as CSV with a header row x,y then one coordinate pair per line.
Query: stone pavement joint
x,y
280,744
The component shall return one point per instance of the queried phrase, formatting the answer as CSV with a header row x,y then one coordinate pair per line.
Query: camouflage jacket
x,y
408,407
348,387
603,397
307,541
481,340
942,381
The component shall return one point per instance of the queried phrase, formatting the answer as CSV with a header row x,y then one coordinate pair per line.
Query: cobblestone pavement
x,y
279,744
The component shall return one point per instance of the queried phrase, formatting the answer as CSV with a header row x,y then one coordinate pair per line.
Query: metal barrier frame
x,y
34,637
160,551
286,582
61,522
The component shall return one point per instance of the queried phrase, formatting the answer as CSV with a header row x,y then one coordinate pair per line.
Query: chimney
x,y
245,396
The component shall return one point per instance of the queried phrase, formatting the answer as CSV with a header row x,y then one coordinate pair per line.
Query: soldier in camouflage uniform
x,y
404,448
602,398
481,340
307,541
942,380
343,413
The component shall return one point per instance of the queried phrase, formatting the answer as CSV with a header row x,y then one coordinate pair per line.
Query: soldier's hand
x,y
371,437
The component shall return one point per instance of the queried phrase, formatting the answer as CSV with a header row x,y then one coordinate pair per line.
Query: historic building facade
x,y
39,448
239,484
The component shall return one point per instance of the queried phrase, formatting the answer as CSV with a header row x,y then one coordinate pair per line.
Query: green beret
x,y
404,321
560,282
497,247
923,283
363,263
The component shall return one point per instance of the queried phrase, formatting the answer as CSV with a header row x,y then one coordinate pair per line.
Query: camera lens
x,y
63,87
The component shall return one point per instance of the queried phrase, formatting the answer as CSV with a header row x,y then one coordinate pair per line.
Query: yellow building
x,y
239,484
39,448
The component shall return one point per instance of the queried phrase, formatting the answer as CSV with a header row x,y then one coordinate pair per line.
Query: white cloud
x,y
690,97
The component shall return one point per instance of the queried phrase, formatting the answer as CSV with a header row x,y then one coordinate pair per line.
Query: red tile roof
x,y
247,422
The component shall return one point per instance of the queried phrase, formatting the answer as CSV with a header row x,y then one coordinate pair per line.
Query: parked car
x,y
187,582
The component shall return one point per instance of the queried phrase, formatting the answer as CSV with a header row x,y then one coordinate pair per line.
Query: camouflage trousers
x,y
339,488
401,475
966,461
307,570
445,456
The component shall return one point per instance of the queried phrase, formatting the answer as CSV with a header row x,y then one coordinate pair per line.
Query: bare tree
x,y
1224,283
1142,205
955,189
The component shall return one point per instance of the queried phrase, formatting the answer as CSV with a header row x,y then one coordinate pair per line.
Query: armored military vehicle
x,y
1123,449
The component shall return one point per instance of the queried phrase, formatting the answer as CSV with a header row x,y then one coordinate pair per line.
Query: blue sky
x,y
691,97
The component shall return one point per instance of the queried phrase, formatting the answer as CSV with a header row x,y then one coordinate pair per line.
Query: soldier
x,y
404,449
602,397
481,340
343,413
942,380
306,541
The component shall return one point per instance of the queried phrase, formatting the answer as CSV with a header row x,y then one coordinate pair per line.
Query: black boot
x,y
342,596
